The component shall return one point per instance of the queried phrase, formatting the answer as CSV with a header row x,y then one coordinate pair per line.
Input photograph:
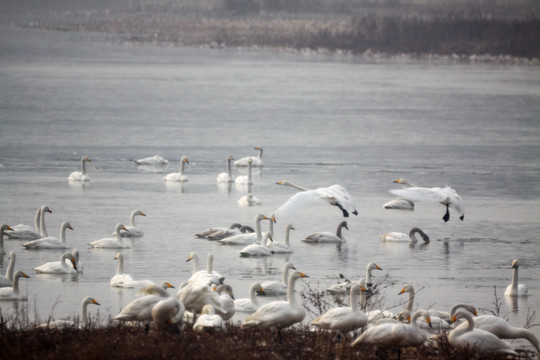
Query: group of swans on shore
x,y
411,193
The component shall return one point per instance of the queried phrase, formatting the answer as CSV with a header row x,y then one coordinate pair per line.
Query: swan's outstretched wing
x,y
417,194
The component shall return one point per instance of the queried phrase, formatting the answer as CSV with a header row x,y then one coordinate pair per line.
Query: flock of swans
x,y
208,302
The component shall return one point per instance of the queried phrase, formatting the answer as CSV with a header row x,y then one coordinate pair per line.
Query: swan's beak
x,y
95,302
475,312
261,291
186,161
279,182
141,213
293,228
74,263
24,275
397,181
189,258
88,159
428,320
274,219
453,320
48,210
363,289
124,228
69,227
169,285
402,291
303,275
8,227
377,267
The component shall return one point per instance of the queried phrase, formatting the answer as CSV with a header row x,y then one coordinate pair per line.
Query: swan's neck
x,y
252,296
36,220
260,154
354,300
412,235
410,302
132,218
210,264
249,173
16,285
416,316
271,227
182,167
518,333
84,313
63,234
195,260
515,279
290,292
470,326
286,238
63,261
42,227
368,276
120,266
338,231
258,228
454,308
2,250
285,276
83,166
118,236
11,266
363,303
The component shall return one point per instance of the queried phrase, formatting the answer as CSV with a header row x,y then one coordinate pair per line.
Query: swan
x,y
254,250
111,243
482,342
251,304
168,314
178,176
50,242
399,204
335,195
57,324
140,309
280,314
155,160
344,319
245,179
345,286
249,200
208,276
3,228
395,335
219,233
276,287
59,267
209,321
401,237
12,293
80,175
327,237
516,289
227,176
196,294
7,280
256,161
26,232
446,316
445,196
120,279
132,231
78,264
226,300
248,238
282,247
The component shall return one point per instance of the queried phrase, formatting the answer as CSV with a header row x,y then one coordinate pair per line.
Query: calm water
x,y
321,120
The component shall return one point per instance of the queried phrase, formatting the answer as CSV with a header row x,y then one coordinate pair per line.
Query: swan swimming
x,y
344,287
482,342
335,195
255,250
247,238
445,196
218,233
251,304
78,265
516,289
155,160
208,276
282,247
280,314
132,231
3,228
26,232
12,293
50,242
80,175
59,267
327,237
256,161
399,204
245,179
7,280
178,176
401,237
120,279
111,243
57,324
226,176
249,200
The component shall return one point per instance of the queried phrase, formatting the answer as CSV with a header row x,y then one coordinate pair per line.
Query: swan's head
x,y
515,264
119,227
86,158
118,256
230,158
191,256
358,288
184,159
5,227
235,226
208,310
373,266
21,274
257,288
289,227
46,209
246,229
93,301
227,289
67,225
139,212
257,148
298,274
408,288
166,285
343,224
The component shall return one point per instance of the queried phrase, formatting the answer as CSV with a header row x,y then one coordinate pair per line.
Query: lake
x,y
321,119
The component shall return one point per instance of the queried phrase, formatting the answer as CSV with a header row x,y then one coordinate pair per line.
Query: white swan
x,y
140,309
209,321
247,238
399,204
245,179
280,314
345,286
111,243
251,304
50,242
7,280
78,264
168,314
327,237
58,324
195,295
249,200
282,247
276,287
395,335
26,232
59,267
402,237
132,231
335,195
178,176
119,279
12,293
482,342
226,300
344,319
445,196
255,250
516,289
256,161
3,228
208,276
155,160
227,176
409,289
80,175
218,233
